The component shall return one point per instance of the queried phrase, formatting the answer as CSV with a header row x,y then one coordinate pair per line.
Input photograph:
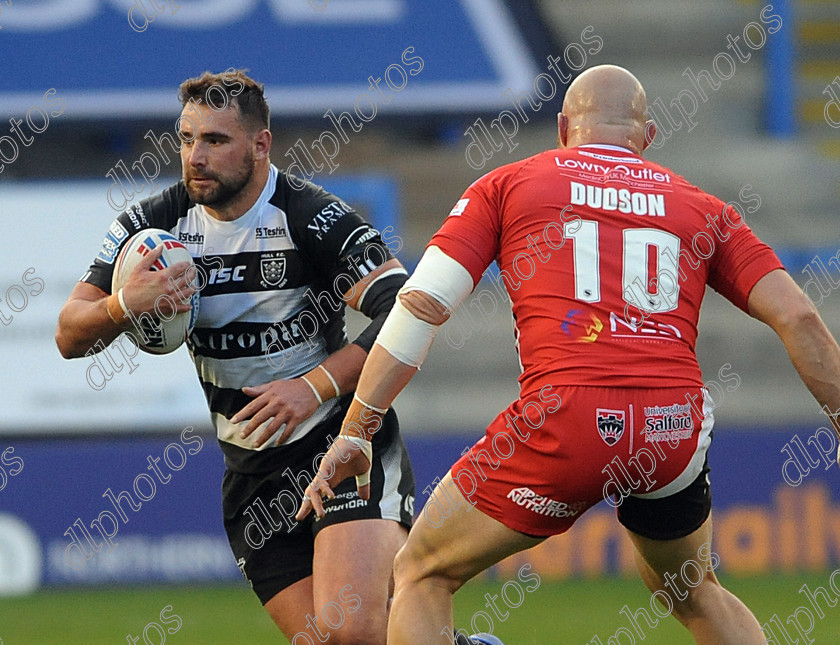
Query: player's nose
x,y
197,157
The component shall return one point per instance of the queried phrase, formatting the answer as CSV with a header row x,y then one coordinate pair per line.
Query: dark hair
x,y
233,86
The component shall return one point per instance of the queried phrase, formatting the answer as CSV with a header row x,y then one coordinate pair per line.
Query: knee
x,y
355,637
694,602
413,566
406,566
360,630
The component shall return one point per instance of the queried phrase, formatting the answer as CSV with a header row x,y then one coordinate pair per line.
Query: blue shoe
x,y
485,639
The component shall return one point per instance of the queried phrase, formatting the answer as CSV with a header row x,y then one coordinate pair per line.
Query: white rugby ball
x,y
156,333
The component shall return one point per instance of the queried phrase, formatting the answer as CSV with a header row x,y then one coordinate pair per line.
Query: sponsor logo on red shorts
x,y
543,505
668,423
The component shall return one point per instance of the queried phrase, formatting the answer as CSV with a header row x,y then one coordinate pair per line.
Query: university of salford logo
x,y
610,425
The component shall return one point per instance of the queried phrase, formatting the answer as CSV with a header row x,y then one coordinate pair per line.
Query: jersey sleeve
x,y
158,211
338,241
470,234
740,261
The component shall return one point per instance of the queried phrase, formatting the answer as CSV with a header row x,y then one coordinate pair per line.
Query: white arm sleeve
x,y
406,337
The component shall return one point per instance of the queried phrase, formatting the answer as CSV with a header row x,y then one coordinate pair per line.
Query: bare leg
x,y
353,580
288,608
713,615
436,561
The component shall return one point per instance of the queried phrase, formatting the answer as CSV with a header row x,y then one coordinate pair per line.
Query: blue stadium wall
x,y
59,496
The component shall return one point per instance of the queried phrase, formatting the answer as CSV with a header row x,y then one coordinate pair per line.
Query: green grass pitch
x,y
570,612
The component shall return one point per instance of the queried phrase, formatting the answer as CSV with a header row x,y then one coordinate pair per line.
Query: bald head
x,y
605,104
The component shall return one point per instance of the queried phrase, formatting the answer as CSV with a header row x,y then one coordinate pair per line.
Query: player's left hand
x,y
290,402
344,459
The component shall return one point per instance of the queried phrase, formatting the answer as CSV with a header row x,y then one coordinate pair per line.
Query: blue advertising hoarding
x,y
159,501
124,58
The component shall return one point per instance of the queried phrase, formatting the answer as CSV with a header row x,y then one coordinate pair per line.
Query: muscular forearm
x,y
338,374
91,314
345,365
82,323
816,356
383,378
290,401
777,301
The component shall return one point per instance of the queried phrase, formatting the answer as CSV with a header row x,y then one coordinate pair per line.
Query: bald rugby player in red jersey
x,y
606,258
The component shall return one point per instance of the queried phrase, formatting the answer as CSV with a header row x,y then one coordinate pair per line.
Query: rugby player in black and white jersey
x,y
280,258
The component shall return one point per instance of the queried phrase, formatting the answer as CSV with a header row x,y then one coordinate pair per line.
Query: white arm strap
x,y
406,337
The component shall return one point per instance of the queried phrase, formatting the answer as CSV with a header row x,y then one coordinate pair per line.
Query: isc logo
x,y
227,274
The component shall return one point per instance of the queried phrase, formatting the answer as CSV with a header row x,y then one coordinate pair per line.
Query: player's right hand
x,y
145,286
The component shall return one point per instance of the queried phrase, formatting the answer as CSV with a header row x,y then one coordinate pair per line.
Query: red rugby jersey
x,y
606,257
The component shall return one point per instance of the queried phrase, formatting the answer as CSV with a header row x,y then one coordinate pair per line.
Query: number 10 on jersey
x,y
655,293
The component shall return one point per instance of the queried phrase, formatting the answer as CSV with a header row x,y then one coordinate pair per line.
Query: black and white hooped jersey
x,y
270,291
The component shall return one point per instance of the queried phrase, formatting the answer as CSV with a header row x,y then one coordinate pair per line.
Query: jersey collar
x,y
607,146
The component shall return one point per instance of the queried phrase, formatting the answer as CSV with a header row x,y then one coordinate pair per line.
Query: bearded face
x,y
217,187
217,155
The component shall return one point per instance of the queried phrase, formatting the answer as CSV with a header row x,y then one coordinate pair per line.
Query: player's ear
x,y
262,143
650,133
562,129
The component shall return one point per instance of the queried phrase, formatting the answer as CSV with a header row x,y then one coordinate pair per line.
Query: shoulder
x,y
664,175
520,168
161,210
171,203
494,183
311,211
299,197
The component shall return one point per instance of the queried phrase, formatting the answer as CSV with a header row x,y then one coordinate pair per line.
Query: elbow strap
x,y
406,337
442,277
